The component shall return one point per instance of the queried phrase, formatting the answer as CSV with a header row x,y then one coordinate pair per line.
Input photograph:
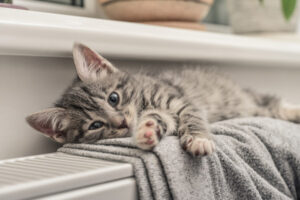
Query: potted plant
x,y
287,7
263,15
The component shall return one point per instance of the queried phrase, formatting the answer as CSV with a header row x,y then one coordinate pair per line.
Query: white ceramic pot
x,y
252,16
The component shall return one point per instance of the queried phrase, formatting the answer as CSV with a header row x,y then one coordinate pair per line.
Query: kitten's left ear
x,y
89,64
51,122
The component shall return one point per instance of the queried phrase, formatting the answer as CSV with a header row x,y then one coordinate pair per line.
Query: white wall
x,y
28,84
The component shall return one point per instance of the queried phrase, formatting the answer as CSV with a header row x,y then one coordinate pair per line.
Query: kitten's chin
x,y
125,132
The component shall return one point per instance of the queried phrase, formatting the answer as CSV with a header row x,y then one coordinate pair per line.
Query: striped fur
x,y
152,106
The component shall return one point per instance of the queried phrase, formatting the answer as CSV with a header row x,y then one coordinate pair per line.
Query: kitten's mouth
x,y
123,125
126,132
126,128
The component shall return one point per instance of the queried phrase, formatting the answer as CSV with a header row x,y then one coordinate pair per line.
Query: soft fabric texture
x,y
256,158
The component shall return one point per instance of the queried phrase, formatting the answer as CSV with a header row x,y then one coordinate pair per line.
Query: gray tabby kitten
x,y
107,103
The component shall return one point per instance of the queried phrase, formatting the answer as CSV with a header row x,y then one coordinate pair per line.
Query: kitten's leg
x,y
272,106
152,125
285,111
193,131
290,112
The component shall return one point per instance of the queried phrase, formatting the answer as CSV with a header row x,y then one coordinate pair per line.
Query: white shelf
x,y
52,35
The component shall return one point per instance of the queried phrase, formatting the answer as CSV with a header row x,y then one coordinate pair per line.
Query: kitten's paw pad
x,y
200,146
148,135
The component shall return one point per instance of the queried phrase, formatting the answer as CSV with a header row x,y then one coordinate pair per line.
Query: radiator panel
x,y
41,175
124,189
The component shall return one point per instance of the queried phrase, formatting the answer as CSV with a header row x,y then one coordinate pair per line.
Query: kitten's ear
x,y
89,64
52,122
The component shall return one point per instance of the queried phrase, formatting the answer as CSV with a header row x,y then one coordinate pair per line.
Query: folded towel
x,y
256,158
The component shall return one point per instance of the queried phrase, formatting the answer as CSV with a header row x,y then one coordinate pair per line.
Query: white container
x,y
252,16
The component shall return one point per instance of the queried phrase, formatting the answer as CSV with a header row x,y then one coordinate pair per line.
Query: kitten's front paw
x,y
148,134
198,145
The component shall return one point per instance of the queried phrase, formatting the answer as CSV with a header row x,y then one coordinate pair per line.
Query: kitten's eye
x,y
113,99
95,125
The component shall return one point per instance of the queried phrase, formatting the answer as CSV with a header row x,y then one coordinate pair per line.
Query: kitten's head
x,y
99,104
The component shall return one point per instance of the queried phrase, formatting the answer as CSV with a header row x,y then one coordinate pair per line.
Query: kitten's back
x,y
217,94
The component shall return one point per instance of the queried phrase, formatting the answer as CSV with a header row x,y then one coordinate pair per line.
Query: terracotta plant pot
x,y
156,10
8,5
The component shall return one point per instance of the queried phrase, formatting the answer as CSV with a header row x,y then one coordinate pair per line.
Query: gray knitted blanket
x,y
256,158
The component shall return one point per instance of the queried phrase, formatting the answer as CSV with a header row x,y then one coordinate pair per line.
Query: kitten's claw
x,y
148,134
199,146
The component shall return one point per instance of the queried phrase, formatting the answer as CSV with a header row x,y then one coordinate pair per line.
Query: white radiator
x,y
63,176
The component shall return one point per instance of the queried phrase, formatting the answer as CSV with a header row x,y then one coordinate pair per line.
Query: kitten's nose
x,y
123,124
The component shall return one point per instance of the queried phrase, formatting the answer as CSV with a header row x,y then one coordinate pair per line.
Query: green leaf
x,y
288,8
261,1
